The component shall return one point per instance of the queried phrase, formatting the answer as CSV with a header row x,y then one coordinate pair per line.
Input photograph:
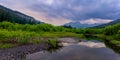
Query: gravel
x,y
19,53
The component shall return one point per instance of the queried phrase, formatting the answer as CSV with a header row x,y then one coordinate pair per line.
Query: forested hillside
x,y
7,14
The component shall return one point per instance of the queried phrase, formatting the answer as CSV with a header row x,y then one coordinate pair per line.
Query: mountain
x,y
108,24
9,15
79,25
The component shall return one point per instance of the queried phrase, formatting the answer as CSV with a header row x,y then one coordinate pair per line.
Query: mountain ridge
x,y
79,25
108,24
7,14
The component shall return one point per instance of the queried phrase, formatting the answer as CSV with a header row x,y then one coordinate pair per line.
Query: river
x,y
74,50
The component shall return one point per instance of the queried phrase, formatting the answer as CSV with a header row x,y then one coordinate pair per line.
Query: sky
x,y
59,12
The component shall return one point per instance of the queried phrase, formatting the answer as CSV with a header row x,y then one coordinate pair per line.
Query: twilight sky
x,y
58,12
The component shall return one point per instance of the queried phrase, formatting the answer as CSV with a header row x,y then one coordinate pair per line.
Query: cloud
x,y
80,9
71,10
95,21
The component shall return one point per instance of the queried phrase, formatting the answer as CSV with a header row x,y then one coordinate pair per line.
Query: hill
x,y
108,24
10,15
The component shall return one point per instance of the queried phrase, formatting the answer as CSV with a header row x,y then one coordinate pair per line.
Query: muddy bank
x,y
19,53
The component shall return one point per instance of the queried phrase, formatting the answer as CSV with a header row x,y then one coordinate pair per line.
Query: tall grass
x,y
17,37
61,34
3,46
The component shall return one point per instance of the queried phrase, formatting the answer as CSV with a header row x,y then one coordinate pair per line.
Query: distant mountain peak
x,y
88,23
77,24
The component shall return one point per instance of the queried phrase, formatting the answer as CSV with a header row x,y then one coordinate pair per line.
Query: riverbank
x,y
17,53
9,39
74,50
20,52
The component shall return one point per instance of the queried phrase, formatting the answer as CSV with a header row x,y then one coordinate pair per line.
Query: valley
x,y
22,37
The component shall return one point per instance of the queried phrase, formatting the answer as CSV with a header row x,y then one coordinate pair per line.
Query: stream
x,y
74,50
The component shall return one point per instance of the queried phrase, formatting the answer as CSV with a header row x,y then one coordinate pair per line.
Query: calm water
x,y
86,50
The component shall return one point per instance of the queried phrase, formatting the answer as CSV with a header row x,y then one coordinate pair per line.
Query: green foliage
x,y
36,40
119,32
13,33
31,28
92,31
111,30
61,34
115,42
15,16
38,28
20,37
52,42
29,34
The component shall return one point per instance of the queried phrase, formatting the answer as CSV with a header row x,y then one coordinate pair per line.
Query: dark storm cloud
x,y
79,9
64,11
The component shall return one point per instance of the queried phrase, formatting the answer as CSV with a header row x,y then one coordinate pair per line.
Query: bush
x,y
52,42
115,42
112,30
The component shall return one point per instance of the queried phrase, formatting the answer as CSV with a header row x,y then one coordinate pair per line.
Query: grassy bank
x,y
10,39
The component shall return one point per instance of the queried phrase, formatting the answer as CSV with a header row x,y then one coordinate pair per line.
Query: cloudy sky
x,y
59,12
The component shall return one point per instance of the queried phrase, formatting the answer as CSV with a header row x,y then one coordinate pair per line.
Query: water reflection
x,y
113,46
77,52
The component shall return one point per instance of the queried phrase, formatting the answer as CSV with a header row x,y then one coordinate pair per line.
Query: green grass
x,y
36,40
12,34
53,42
10,38
61,34
16,36
3,46
115,42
